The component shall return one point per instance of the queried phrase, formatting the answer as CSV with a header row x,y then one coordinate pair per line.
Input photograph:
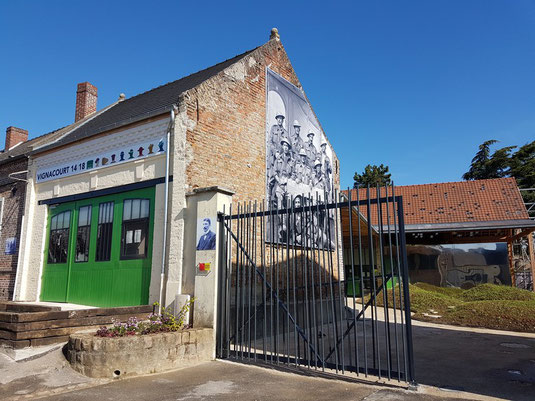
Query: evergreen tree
x,y
373,175
505,163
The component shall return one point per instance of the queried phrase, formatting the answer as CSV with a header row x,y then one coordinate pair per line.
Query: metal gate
x,y
302,284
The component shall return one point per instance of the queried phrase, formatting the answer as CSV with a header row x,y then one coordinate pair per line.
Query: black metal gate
x,y
302,284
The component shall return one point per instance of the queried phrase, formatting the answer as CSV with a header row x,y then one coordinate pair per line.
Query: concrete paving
x,y
486,363
452,360
232,381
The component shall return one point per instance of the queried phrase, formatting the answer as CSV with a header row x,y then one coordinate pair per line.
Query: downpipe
x,y
166,209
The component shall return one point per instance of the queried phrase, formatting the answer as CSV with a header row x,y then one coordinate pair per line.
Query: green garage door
x,y
99,250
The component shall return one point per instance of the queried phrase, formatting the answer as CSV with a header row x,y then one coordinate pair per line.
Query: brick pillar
x,y
14,136
86,100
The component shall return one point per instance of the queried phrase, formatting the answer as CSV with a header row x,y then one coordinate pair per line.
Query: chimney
x,y
15,136
86,100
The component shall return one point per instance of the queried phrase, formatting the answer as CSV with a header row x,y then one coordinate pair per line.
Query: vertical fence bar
x,y
271,221
340,240
237,296
253,272
263,256
405,269
385,282
294,270
352,255
312,282
330,270
317,240
361,271
394,281
401,297
304,234
376,353
222,279
287,219
229,278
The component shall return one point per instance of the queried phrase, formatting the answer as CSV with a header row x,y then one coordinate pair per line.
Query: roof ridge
x,y
453,182
193,73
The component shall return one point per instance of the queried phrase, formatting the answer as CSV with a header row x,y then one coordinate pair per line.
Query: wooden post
x,y
531,257
510,258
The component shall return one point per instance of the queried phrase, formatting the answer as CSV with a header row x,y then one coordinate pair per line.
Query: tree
x,y
505,163
372,175
486,166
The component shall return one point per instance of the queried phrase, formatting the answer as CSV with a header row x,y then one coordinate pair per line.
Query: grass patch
x,y
492,292
486,306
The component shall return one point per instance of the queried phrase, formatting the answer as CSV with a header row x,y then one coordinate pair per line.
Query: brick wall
x,y
13,193
227,134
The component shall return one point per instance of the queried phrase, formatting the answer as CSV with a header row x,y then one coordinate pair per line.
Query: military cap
x,y
303,152
279,114
296,123
310,133
323,144
317,163
284,140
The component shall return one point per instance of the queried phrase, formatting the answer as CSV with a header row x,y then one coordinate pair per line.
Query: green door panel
x,y
56,275
101,283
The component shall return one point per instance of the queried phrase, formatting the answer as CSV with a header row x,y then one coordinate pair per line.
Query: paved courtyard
x,y
450,364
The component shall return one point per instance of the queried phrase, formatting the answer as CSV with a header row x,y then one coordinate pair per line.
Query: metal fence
x,y
303,284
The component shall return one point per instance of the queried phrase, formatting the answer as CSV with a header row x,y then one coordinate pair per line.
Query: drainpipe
x,y
166,208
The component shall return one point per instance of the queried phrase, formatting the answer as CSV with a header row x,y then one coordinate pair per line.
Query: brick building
x,y
96,194
13,178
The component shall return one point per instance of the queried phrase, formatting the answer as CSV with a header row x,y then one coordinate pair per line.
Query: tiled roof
x,y
151,103
455,202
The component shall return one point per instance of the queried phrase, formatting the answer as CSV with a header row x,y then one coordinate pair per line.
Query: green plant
x,y
164,321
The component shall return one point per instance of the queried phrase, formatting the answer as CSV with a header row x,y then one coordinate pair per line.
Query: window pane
x,y
134,241
135,208
104,231
127,209
58,243
66,219
82,234
144,208
84,216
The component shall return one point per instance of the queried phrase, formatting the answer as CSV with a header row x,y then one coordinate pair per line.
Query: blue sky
x,y
415,85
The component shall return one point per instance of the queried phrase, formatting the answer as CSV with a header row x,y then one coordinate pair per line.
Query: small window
x,y
58,246
104,231
135,228
82,235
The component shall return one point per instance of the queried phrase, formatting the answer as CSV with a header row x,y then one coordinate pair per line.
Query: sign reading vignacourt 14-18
x,y
108,159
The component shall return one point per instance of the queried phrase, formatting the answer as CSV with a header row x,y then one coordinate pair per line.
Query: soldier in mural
x,y
311,150
302,171
296,140
318,181
325,161
277,133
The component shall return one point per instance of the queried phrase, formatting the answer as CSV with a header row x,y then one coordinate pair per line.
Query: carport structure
x,y
444,221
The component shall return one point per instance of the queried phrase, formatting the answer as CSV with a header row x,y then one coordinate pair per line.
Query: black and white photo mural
x,y
299,165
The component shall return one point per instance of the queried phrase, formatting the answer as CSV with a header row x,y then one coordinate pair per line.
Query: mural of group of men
x,y
293,162
290,158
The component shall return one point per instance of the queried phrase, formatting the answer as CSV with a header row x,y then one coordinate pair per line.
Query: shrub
x,y
155,323
489,292
454,292
496,314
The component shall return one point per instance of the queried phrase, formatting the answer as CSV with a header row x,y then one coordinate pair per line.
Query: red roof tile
x,y
455,202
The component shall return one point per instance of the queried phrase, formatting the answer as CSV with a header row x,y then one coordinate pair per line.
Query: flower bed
x,y
130,355
160,343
